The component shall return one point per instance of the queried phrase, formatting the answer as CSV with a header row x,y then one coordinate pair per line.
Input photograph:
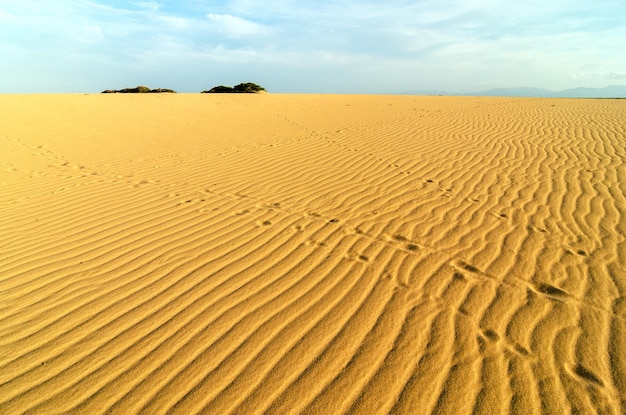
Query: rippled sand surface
x,y
314,254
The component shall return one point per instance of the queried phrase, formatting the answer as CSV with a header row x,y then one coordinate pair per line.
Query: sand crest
x,y
312,254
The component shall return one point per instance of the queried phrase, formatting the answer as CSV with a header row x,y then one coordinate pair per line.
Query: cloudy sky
x,y
326,46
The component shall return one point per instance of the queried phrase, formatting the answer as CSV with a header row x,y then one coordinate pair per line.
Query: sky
x,y
323,46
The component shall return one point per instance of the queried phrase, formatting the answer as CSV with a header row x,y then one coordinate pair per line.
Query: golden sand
x,y
315,254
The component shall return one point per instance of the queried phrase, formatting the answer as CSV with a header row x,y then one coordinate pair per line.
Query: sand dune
x,y
289,254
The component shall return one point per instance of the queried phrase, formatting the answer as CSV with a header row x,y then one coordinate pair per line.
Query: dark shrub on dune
x,y
137,90
248,88
220,89
243,88
162,90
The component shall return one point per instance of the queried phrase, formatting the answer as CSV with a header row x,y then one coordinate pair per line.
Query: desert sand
x,y
314,254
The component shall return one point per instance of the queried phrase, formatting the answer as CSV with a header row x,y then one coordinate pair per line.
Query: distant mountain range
x,y
613,91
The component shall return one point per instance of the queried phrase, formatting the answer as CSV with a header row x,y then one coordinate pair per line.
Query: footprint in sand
x,y
467,267
521,350
459,276
579,252
408,245
550,291
269,206
353,256
315,243
587,374
491,335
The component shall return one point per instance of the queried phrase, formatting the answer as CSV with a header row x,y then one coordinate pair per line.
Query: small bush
x,y
137,90
248,88
243,88
220,89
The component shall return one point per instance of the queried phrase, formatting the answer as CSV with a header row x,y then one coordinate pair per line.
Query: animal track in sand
x,y
316,215
208,209
353,256
491,335
408,244
399,238
587,374
315,243
468,267
268,206
579,252
458,276
551,290
521,350
412,247
499,215
512,347
135,184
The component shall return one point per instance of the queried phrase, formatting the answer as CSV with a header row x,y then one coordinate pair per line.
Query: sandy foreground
x,y
315,254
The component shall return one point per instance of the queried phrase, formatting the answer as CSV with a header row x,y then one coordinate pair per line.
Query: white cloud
x,y
599,75
234,26
148,5
4,15
614,75
174,21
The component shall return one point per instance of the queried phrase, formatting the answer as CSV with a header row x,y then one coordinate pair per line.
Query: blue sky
x,y
326,46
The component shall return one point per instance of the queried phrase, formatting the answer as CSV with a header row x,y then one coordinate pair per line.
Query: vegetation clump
x,y
137,90
220,89
243,88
